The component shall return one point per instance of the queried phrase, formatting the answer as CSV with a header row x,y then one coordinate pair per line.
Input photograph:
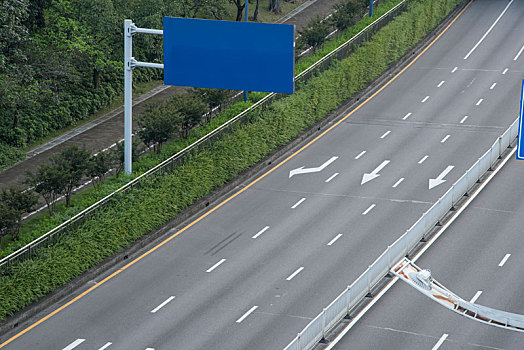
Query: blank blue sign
x,y
520,143
229,55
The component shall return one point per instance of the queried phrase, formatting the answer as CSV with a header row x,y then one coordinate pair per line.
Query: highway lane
x,y
247,299
479,257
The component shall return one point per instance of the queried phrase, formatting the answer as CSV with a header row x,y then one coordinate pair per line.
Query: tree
x,y
191,111
314,34
72,162
18,202
213,97
98,166
13,33
346,13
255,14
240,4
118,155
48,182
274,6
157,125
7,219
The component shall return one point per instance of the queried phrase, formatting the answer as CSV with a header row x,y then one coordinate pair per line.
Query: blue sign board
x,y
520,143
229,55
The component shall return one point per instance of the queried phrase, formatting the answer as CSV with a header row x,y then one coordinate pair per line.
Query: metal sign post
x,y
520,142
246,19
129,64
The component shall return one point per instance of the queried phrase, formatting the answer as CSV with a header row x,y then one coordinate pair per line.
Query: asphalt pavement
x,y
479,257
254,271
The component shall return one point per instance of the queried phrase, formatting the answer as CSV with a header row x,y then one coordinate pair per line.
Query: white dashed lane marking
x,y
360,154
216,265
398,182
261,232
504,259
298,203
335,239
331,177
369,209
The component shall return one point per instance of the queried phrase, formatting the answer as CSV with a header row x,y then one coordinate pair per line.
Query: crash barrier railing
x,y
49,238
330,316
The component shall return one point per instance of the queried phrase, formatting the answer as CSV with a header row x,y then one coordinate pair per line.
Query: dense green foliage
x,y
62,60
153,204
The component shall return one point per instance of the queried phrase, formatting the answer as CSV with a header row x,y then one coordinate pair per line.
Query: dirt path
x,y
109,128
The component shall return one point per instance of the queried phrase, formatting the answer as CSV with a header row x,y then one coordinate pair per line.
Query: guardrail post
x,y
388,252
348,300
323,323
369,281
500,147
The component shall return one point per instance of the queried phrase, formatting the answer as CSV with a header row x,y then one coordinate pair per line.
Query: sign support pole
x,y
370,8
129,64
246,19
128,95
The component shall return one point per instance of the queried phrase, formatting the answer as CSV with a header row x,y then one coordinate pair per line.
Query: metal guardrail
x,y
349,298
167,165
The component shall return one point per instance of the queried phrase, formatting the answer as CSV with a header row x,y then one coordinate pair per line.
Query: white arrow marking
x,y
374,174
440,179
301,170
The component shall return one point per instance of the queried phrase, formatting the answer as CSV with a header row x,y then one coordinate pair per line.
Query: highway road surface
x,y
256,269
480,258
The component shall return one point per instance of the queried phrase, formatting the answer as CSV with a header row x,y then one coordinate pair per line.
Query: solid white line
x,y
385,134
480,101
477,295
445,138
261,232
247,314
398,182
331,177
423,159
74,344
440,341
425,99
517,57
463,120
492,86
360,154
505,71
298,203
369,209
504,259
335,239
489,30
162,305
357,318
406,116
108,344
441,83
216,265
295,273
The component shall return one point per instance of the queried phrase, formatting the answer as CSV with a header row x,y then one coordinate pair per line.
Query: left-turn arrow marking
x,y
303,170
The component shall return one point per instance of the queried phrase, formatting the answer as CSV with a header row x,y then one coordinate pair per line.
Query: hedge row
x,y
152,205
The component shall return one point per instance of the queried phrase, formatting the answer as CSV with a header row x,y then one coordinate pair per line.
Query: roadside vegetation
x,y
153,204
62,60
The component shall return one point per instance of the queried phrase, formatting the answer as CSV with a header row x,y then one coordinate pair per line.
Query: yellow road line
x,y
231,197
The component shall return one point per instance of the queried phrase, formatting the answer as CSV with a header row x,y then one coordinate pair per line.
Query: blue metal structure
x,y
520,142
215,54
